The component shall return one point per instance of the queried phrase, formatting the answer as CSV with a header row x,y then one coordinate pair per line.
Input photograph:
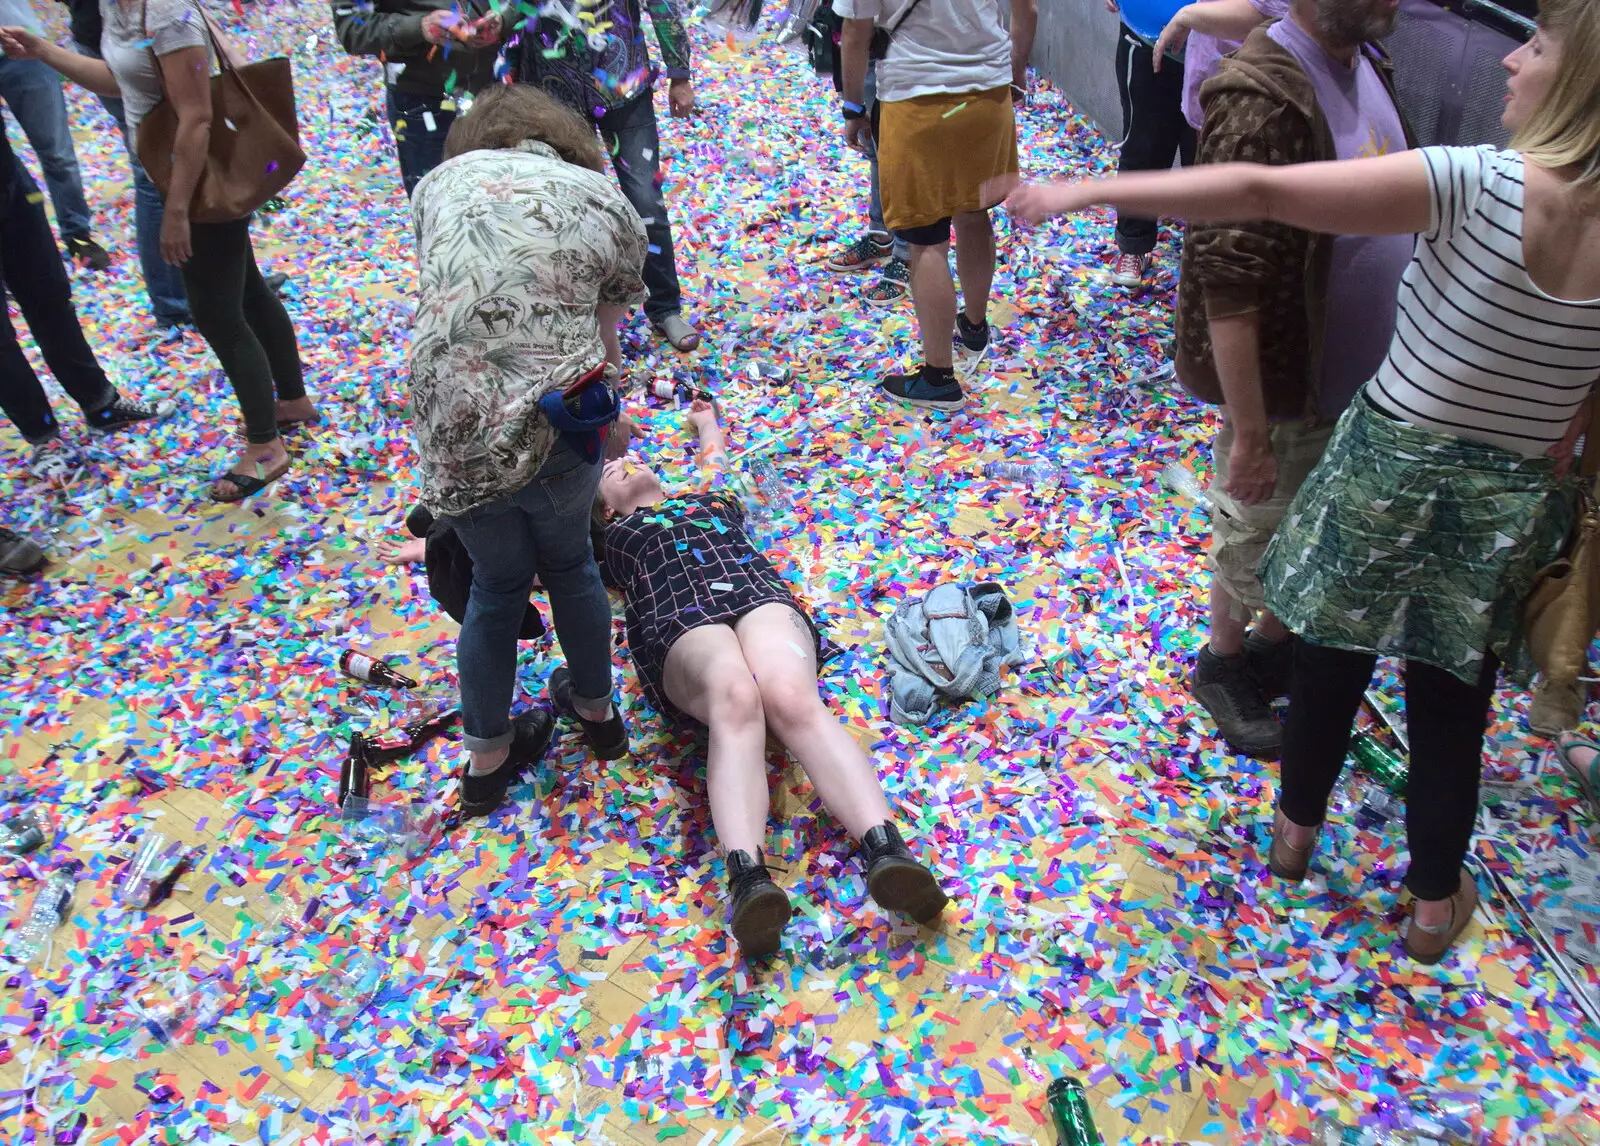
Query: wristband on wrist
x,y
852,110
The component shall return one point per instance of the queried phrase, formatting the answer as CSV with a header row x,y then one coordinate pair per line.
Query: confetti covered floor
x,y
560,973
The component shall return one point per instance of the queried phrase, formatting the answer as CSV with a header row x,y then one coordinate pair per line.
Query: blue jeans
x,y
541,529
32,90
902,249
419,147
163,282
629,133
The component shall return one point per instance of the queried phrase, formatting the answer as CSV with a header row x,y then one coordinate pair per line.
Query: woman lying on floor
x,y
715,635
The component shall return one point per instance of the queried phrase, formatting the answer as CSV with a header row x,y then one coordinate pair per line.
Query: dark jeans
x,y
630,136
1445,719
1153,127
30,265
32,90
420,125
244,323
541,529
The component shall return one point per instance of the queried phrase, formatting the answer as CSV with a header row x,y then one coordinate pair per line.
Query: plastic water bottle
x,y
178,1008
1180,479
23,833
1025,473
380,829
51,906
152,871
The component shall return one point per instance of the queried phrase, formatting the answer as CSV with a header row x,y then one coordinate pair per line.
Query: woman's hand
x,y
175,247
701,415
1172,37
485,31
1036,202
21,44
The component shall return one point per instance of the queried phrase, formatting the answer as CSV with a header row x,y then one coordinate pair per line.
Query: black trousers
x,y
1445,720
30,265
244,323
630,137
1154,131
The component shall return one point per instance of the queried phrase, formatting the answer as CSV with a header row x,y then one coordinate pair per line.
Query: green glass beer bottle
x,y
1069,1110
1383,765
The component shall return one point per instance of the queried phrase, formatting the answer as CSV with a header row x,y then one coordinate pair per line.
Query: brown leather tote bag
x,y
255,135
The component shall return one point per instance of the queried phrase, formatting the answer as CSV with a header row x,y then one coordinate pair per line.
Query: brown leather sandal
x,y
1428,946
1285,860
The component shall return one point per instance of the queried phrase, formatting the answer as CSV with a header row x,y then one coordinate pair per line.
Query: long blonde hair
x,y
1564,131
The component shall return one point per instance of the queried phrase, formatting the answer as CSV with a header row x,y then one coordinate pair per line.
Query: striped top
x,y
1479,351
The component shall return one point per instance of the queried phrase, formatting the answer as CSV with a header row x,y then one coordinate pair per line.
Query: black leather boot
x,y
896,880
760,908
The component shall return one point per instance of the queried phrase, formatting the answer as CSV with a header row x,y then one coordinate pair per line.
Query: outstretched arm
x,y
1224,19
713,446
1388,195
21,44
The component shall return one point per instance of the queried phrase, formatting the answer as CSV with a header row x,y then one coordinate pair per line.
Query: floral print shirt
x,y
518,248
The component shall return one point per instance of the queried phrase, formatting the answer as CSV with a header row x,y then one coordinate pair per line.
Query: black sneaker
x,y
896,880
930,387
18,555
125,412
863,254
974,338
891,286
530,737
760,908
608,738
1226,688
88,253
1271,663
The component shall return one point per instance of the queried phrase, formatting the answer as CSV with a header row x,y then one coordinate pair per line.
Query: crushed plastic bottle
x,y
152,872
377,828
346,989
24,833
1377,808
1027,473
1158,374
174,1008
52,903
1180,479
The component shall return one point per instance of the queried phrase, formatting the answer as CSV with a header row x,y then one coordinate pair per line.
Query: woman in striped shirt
x,y
1445,487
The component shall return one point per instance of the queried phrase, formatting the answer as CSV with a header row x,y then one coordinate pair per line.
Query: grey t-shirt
x,y
134,29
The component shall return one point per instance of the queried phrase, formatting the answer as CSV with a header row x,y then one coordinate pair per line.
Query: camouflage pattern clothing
x,y
1418,545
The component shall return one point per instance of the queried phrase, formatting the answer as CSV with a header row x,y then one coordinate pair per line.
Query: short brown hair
x,y
509,114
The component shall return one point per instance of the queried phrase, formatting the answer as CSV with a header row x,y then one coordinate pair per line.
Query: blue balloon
x,y
1148,17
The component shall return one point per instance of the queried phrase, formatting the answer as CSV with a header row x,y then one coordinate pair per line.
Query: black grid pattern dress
x,y
683,563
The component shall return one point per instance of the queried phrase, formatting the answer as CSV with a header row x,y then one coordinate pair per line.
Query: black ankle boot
x,y
760,908
896,880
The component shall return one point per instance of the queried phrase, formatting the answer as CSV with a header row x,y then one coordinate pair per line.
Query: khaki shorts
x,y
1240,533
936,152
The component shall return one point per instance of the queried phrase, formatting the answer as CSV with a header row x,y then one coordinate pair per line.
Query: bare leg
x,y
1227,631
934,293
975,263
777,642
706,676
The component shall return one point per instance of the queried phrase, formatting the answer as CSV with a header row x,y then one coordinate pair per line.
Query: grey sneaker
x,y
18,555
1227,689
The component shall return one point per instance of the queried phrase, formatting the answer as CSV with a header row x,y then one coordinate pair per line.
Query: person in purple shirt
x,y
1205,32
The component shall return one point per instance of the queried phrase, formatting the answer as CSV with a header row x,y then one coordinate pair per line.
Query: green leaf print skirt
x,y
1418,545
